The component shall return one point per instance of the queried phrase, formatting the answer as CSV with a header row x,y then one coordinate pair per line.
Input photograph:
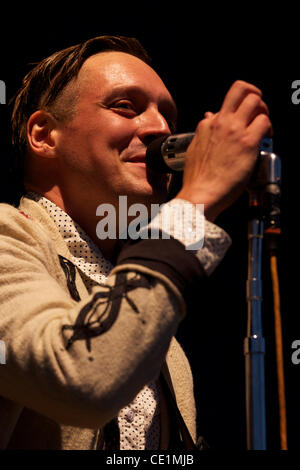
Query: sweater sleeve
x,y
79,363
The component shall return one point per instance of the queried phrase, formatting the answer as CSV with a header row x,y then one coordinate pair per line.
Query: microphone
x,y
167,154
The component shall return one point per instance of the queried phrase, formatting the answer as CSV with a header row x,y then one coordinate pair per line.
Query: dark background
x,y
199,56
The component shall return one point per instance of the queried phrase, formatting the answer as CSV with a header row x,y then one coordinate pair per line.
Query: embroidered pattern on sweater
x,y
70,273
94,320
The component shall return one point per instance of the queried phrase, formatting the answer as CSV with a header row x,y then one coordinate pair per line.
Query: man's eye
x,y
126,105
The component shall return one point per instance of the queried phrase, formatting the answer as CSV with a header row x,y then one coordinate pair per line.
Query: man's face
x,y
122,106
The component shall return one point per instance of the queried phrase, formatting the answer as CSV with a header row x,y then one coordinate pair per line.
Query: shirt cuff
x,y
186,222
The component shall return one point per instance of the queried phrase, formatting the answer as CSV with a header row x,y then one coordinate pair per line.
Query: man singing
x,y
88,322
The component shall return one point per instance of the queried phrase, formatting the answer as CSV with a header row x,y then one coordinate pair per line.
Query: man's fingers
x,y
251,107
237,94
261,127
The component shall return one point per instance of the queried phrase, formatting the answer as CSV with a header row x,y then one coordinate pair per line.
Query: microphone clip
x,y
265,192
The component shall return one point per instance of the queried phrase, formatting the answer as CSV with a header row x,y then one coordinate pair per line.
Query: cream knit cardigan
x,y
58,398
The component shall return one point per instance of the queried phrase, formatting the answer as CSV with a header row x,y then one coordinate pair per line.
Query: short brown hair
x,y
42,86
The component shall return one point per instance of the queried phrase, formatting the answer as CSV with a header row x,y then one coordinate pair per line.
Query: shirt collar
x,y
85,253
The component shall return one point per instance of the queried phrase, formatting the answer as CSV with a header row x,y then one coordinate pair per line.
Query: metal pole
x,y
264,210
254,344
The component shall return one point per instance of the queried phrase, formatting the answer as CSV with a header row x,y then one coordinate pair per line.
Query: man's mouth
x,y
139,160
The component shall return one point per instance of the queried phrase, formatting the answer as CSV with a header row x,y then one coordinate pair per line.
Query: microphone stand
x,y
265,181
254,344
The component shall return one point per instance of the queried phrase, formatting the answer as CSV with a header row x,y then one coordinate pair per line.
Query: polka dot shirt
x,y
139,422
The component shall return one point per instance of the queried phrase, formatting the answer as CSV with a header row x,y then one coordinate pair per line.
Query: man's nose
x,y
152,125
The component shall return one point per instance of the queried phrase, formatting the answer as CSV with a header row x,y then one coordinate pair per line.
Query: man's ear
x,y
41,132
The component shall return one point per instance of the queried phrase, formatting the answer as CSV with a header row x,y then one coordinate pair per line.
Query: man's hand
x,y
221,158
